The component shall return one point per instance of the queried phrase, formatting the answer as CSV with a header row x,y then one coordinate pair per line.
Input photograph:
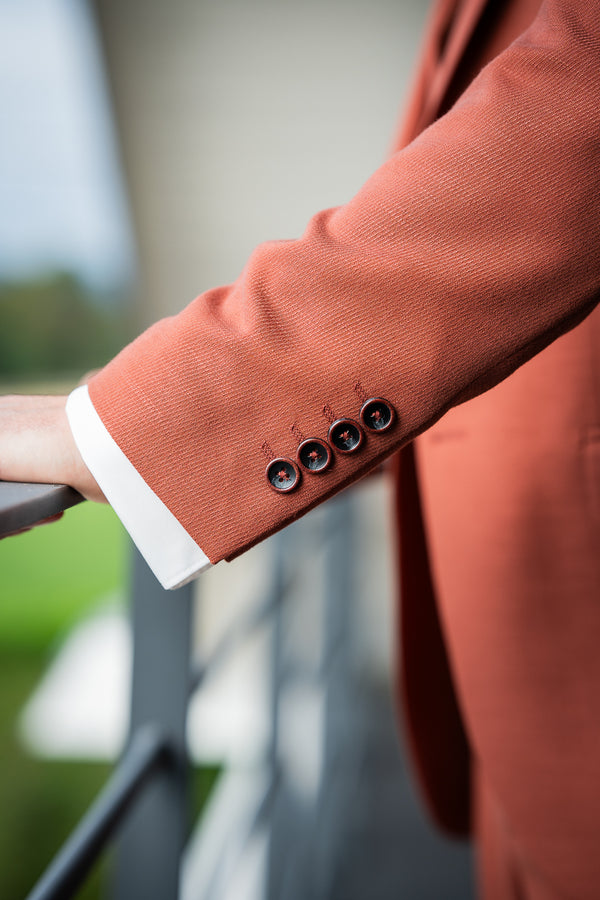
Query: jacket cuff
x,y
173,556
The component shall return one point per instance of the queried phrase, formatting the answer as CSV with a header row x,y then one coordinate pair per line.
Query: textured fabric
x,y
503,872
510,495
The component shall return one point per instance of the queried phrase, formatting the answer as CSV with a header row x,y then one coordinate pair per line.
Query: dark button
x,y
314,455
377,414
346,435
283,475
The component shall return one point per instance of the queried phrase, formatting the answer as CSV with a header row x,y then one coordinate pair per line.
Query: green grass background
x,y
50,578
54,574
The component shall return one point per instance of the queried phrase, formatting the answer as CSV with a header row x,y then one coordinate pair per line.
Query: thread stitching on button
x,y
267,451
360,392
329,414
314,454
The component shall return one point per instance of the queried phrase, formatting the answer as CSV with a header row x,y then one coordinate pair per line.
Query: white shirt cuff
x,y
163,542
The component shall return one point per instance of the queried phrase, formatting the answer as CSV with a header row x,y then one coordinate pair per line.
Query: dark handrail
x,y
147,751
23,505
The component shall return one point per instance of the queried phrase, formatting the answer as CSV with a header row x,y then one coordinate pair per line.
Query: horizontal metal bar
x,y
22,505
146,752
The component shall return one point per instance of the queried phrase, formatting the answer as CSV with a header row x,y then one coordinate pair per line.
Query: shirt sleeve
x,y
174,557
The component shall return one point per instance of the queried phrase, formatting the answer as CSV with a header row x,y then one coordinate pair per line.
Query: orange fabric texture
x,y
465,256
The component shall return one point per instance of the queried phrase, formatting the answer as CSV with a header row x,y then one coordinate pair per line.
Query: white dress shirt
x,y
163,542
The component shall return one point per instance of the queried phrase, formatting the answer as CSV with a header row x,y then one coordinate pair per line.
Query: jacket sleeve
x,y
463,256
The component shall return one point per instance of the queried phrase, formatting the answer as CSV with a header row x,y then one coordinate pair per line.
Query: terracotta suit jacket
x,y
471,254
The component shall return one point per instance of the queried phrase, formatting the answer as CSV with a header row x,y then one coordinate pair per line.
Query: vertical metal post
x,y
277,635
273,879
339,735
339,597
302,842
286,875
150,848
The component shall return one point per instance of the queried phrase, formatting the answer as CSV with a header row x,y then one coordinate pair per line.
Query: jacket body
x,y
499,530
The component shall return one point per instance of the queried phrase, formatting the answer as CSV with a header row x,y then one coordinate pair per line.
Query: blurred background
x,y
147,147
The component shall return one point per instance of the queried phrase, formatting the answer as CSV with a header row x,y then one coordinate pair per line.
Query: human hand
x,y
36,445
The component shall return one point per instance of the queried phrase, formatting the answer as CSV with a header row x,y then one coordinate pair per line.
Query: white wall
x,y
238,120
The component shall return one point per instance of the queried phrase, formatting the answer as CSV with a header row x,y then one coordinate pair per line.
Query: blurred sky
x,y
61,197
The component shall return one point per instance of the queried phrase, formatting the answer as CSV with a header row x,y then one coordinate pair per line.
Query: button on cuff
x,y
314,455
346,435
283,475
377,415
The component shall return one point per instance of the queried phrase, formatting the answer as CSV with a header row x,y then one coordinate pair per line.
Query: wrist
x,y
36,445
76,473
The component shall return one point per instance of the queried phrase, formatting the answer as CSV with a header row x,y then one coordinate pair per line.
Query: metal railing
x,y
145,804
